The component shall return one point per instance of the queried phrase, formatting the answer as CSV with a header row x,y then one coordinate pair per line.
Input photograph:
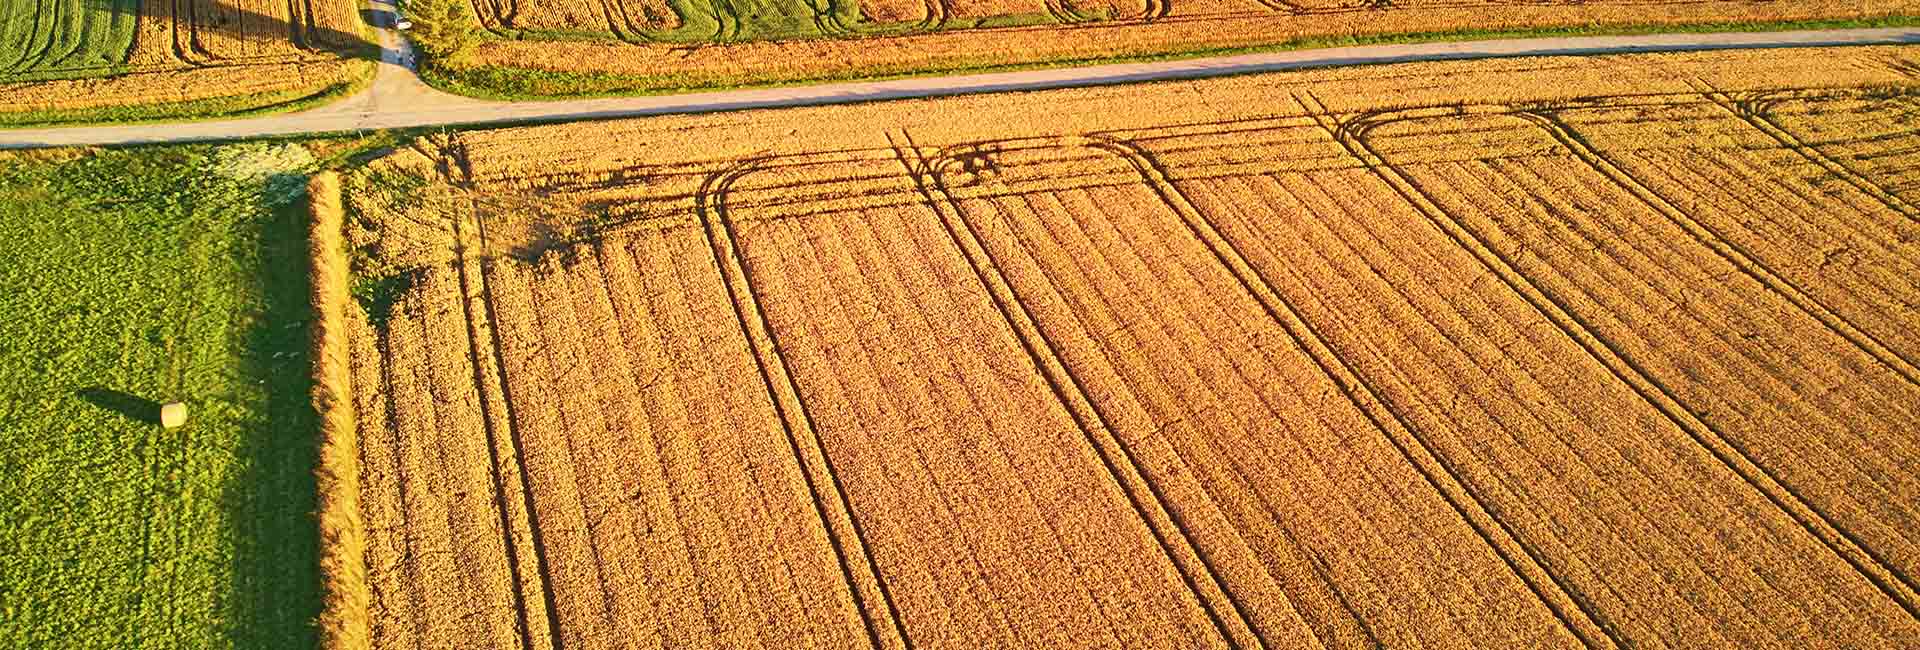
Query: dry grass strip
x,y
344,624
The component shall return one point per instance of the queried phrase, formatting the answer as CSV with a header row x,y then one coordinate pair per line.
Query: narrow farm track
x,y
398,99
1615,361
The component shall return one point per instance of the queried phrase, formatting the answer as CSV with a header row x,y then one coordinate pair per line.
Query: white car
x,y
403,24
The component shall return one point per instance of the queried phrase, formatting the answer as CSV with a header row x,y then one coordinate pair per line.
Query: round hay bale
x,y
173,415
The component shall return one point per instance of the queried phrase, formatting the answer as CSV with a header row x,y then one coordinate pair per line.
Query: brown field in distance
x,y
737,42
1606,352
71,55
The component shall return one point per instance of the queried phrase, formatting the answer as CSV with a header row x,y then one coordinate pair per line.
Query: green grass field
x,y
127,277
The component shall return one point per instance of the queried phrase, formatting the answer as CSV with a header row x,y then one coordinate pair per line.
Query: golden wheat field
x,y
65,55
1584,352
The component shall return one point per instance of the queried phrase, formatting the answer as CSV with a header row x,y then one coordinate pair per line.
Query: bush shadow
x,y
380,18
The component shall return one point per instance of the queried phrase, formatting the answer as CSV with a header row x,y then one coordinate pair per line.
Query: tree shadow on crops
x,y
270,505
128,405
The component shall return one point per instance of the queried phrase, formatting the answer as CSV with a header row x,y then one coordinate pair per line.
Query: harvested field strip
x,y
343,623
1055,248
976,503
447,575
732,545
1538,201
829,493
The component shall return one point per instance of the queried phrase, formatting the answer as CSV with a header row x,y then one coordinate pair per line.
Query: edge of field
x,y
344,622
507,83
360,76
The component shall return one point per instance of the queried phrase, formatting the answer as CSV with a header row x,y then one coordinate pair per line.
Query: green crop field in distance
x,y
130,277
59,39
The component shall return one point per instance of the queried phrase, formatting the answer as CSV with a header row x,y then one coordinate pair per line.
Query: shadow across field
x,y
270,504
102,48
228,18
201,23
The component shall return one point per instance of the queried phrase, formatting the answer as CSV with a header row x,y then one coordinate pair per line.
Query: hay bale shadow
x,y
128,405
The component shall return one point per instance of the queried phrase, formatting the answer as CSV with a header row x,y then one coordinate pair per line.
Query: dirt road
x,y
398,98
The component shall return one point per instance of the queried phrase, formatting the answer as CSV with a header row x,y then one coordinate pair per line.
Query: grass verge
x,y
344,622
516,83
128,278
